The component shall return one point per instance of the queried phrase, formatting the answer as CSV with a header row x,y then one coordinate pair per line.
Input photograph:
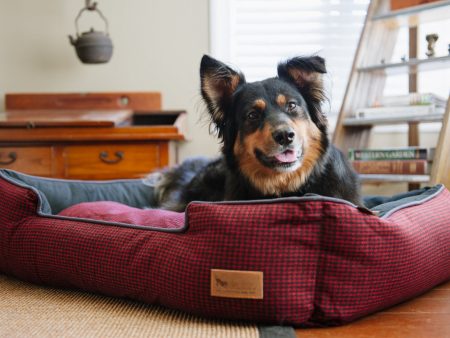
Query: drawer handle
x,y
118,154
12,158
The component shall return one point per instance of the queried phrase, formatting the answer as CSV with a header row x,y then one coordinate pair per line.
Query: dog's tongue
x,y
286,156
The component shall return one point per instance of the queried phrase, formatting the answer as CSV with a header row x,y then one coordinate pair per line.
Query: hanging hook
x,y
91,7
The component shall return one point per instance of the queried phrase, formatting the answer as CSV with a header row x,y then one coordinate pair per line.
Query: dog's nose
x,y
283,136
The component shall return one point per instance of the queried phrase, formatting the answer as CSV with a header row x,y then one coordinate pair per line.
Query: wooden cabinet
x,y
118,137
33,160
113,160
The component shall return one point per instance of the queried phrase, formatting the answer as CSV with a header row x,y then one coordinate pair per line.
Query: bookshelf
x,y
400,67
368,78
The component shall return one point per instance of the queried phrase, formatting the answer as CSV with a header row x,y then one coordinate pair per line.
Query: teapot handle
x,y
91,7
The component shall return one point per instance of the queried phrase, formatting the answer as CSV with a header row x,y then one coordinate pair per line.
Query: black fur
x,y
245,112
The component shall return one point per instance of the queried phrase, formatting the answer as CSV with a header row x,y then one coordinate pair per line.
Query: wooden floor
x,y
427,316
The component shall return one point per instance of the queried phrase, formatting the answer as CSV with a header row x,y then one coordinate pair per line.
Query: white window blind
x,y
254,35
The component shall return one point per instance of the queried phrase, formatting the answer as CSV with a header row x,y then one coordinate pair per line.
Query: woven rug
x,y
28,310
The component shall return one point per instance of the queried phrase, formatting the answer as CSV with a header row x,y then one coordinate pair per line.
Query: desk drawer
x,y
111,161
30,160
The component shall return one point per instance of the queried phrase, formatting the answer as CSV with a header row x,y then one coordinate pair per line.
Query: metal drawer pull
x,y
12,158
118,154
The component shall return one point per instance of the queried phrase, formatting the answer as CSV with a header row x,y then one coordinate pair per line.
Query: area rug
x,y
28,310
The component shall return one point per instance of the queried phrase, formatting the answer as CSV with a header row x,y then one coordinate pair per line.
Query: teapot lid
x,y
94,37
93,32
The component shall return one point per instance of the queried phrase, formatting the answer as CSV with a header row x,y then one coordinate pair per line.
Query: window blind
x,y
254,35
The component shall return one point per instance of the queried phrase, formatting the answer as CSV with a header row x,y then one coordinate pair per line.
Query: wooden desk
x,y
427,316
45,118
122,135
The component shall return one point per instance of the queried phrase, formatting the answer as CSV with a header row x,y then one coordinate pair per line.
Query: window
x,y
255,35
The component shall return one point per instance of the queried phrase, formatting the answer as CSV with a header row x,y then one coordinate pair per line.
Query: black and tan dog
x,y
274,137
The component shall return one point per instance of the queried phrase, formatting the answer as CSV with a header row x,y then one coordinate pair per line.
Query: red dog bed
x,y
309,261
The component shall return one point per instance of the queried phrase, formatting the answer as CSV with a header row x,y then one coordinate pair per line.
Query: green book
x,y
407,153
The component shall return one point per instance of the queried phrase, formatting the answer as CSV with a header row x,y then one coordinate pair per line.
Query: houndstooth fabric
x,y
324,262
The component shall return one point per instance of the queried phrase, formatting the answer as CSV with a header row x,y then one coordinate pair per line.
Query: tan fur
x,y
281,101
313,79
210,90
268,181
260,104
234,82
216,87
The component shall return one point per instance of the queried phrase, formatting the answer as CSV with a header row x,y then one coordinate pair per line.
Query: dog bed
x,y
309,261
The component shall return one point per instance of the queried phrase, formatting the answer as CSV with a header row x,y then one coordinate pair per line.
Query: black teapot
x,y
92,46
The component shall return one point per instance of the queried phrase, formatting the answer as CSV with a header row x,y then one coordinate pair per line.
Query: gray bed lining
x,y
57,194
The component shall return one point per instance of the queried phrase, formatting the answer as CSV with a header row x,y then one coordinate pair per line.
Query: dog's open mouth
x,y
286,160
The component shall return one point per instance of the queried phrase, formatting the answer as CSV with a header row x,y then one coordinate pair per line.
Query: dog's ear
x,y
218,83
306,74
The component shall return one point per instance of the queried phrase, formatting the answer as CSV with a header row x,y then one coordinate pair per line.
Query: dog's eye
x,y
253,115
292,106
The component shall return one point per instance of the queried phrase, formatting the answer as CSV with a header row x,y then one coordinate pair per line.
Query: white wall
x,y
158,45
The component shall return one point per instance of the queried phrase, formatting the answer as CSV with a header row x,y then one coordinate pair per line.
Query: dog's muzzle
x,y
286,160
284,136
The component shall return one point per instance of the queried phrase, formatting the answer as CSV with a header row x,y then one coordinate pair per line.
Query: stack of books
x,y
410,105
401,161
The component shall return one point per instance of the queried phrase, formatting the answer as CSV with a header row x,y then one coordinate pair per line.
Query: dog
x,y
274,139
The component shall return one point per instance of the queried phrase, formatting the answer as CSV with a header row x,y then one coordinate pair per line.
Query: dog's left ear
x,y
306,74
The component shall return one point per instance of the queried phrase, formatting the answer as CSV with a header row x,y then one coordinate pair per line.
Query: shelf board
x,y
394,178
432,63
353,121
415,15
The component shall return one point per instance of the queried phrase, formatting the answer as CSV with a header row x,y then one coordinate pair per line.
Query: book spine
x,y
389,154
411,99
412,167
396,111
406,100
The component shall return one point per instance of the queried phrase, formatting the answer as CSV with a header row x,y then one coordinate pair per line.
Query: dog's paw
x,y
153,179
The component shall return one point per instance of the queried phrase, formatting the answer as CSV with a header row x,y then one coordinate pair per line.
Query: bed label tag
x,y
237,284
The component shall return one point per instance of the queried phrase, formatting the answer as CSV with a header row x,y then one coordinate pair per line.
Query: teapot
x,y
92,46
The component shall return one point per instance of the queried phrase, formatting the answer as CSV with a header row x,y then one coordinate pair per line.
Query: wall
x,y
158,45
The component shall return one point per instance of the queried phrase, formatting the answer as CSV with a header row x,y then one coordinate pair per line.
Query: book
x,y
398,111
403,167
401,4
411,99
407,153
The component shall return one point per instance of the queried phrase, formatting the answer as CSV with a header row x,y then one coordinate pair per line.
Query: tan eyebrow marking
x,y
281,100
260,104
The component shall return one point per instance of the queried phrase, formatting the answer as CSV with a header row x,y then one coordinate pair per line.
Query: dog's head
x,y
274,130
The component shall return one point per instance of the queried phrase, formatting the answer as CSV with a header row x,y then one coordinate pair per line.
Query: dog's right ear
x,y
218,83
